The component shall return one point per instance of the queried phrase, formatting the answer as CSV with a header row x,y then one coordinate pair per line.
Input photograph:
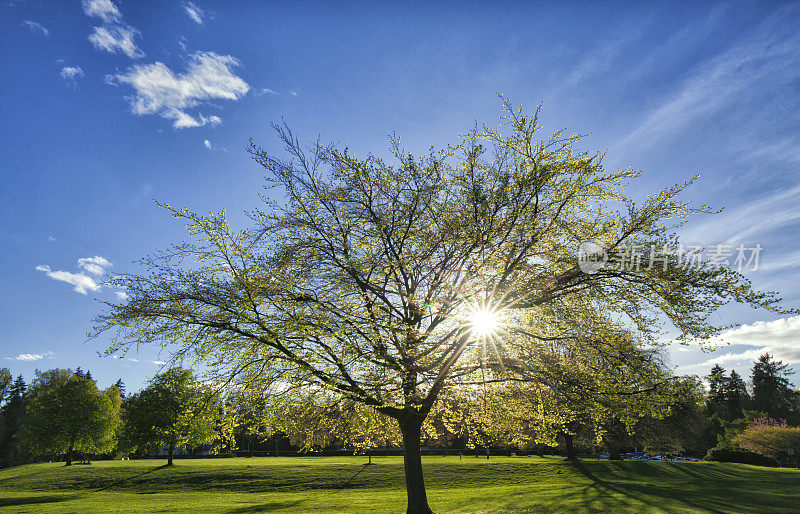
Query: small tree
x,y
70,416
173,410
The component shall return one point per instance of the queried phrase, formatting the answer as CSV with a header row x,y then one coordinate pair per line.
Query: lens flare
x,y
484,323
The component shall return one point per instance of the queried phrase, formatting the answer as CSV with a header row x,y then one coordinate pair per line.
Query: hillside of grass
x,y
346,484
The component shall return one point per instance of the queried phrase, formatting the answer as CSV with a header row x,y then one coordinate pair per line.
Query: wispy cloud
x,y
103,9
194,12
92,269
30,357
265,91
36,28
116,39
722,81
757,218
157,90
114,36
95,265
70,74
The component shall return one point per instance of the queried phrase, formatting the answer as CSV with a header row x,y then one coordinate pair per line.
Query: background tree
x,y
372,279
681,431
11,414
173,410
68,416
737,398
771,391
6,379
120,385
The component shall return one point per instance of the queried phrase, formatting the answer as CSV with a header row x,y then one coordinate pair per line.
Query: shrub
x,y
740,456
771,439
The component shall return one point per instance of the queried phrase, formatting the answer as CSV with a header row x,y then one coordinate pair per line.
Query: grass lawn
x,y
345,484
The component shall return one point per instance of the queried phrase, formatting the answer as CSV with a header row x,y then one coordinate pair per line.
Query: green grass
x,y
344,484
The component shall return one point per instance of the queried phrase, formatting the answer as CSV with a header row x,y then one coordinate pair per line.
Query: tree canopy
x,y
173,410
374,280
69,415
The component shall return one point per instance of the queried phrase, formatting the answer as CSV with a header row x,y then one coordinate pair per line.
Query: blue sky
x,y
109,105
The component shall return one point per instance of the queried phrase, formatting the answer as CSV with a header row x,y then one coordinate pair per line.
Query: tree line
x,y
64,415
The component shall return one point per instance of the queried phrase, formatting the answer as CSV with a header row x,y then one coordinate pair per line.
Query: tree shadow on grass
x,y
266,507
608,486
32,500
120,482
699,487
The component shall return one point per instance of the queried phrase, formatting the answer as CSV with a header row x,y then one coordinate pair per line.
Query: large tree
x,y
175,410
68,416
380,281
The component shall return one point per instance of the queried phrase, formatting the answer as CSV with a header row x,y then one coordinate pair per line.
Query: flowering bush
x,y
770,437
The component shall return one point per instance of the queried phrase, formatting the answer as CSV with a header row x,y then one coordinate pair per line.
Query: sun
x,y
484,322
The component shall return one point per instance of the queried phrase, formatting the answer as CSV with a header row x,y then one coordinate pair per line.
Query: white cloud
x,y
194,12
36,28
95,265
121,295
82,282
116,39
29,357
70,74
103,9
780,337
158,363
93,268
51,238
207,144
265,91
157,90
293,93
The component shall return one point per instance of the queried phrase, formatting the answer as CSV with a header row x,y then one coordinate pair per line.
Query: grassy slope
x,y
523,484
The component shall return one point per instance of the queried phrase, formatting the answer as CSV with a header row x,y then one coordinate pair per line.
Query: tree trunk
x,y
569,446
412,462
171,452
69,452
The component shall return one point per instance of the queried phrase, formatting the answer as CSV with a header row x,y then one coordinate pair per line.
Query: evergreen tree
x,y
771,387
88,375
11,415
79,373
120,385
737,398
717,392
